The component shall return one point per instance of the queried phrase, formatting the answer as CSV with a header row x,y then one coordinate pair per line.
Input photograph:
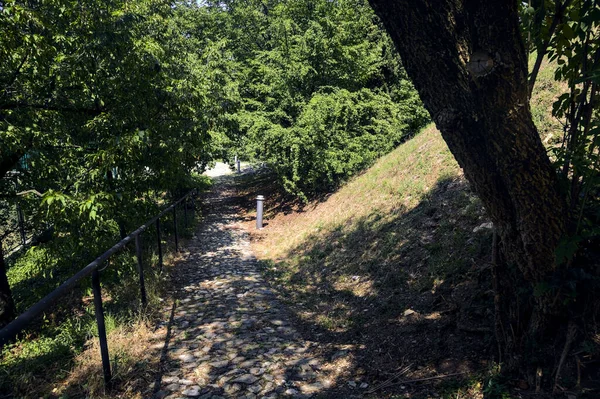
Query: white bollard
x,y
259,211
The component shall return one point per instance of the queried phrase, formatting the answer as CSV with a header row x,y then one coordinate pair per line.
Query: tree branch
x,y
85,111
541,52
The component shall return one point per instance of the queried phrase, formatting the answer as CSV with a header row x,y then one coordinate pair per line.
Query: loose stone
x,y
192,392
247,379
173,387
161,394
231,337
219,364
170,379
255,388
187,358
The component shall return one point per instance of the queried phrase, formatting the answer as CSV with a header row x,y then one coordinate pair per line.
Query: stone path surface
x,y
230,337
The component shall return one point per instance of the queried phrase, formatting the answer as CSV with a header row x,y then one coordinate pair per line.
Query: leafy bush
x,y
337,134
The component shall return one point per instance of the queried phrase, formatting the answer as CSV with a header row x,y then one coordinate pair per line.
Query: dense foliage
x,y
107,108
105,103
320,86
105,100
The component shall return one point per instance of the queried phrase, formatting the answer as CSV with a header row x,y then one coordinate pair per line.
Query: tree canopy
x,y
108,106
320,88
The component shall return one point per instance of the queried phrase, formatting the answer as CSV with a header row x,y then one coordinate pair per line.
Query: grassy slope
x,y
398,238
545,92
380,218
390,255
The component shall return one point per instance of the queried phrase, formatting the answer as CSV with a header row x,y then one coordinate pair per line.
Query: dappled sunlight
x,y
360,287
433,316
230,336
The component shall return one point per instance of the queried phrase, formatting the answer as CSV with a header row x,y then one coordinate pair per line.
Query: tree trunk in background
x,y
7,305
467,60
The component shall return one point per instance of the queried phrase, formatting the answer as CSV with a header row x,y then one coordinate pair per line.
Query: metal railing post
x,y
138,250
160,254
185,213
21,221
12,329
175,226
101,327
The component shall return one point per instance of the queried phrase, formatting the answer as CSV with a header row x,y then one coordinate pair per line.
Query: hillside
x,y
389,267
395,265
379,273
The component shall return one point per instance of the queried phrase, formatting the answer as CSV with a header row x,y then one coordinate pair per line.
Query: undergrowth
x,y
58,356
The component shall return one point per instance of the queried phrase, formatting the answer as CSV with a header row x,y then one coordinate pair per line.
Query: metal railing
x,y
16,326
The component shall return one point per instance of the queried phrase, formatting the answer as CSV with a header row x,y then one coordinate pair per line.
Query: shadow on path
x,y
229,337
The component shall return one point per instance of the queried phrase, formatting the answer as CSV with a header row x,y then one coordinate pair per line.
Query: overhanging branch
x,y
541,52
44,107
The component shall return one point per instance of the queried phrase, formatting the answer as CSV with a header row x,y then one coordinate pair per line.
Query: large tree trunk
x,y
467,60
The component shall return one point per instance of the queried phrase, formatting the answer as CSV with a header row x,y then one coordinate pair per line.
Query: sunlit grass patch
x,y
356,240
377,261
134,352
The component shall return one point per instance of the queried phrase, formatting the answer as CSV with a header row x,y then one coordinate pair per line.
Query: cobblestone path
x,y
230,337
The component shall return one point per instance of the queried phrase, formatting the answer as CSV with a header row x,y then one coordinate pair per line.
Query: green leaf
x,y
568,31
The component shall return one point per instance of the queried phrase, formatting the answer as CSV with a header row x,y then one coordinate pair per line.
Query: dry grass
x,y
396,183
67,363
385,264
371,219
134,352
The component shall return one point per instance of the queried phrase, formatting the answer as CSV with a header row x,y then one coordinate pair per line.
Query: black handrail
x,y
23,320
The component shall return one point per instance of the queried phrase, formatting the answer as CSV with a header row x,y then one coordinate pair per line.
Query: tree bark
x,y
468,63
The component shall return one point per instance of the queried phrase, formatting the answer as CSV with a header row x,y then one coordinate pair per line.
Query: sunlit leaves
x,y
110,101
574,46
289,71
